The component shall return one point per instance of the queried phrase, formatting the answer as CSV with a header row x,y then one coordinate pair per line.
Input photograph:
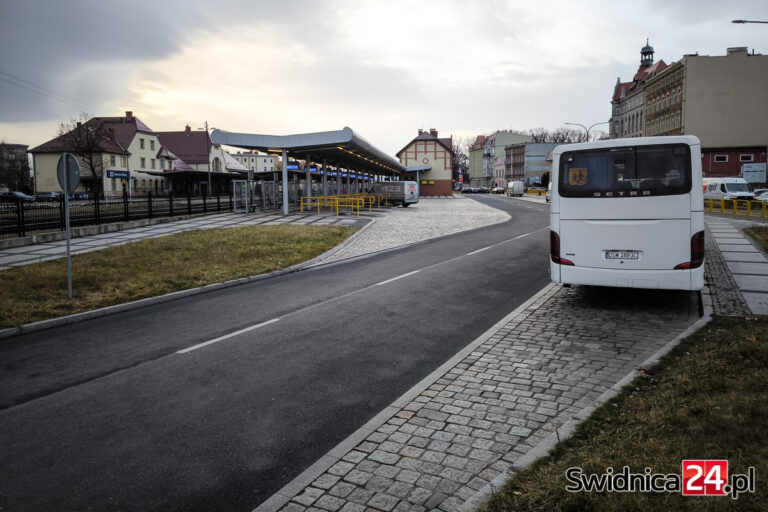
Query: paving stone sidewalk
x,y
429,218
437,448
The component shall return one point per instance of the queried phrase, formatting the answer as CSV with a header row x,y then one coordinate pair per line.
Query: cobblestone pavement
x,y
738,270
429,218
436,447
722,291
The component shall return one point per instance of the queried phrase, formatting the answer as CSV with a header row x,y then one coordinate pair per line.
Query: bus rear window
x,y
626,171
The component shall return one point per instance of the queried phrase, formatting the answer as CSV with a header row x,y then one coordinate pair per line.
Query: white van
x,y
727,188
515,188
404,193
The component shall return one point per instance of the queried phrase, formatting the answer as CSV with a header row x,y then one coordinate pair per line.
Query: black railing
x,y
22,218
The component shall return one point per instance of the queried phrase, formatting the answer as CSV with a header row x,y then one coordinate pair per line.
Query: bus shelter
x,y
345,156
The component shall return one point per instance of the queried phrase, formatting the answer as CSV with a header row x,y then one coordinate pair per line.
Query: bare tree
x,y
539,135
85,138
460,164
565,135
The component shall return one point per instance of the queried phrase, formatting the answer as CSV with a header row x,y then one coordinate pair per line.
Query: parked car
x,y
14,196
759,191
762,197
481,190
48,196
497,190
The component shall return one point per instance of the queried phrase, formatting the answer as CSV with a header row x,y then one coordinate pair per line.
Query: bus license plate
x,y
622,255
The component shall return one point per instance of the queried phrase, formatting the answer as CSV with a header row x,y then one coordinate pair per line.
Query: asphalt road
x,y
216,401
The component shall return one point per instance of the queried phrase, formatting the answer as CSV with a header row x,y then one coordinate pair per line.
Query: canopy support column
x,y
285,181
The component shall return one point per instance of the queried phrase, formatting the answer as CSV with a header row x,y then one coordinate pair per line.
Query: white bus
x,y
628,213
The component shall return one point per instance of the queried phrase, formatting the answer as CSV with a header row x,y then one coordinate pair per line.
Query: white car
x,y
762,197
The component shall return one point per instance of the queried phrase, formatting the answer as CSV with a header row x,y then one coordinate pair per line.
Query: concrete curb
x,y
567,429
284,495
141,303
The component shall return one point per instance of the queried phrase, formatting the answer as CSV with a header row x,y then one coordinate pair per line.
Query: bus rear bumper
x,y
653,279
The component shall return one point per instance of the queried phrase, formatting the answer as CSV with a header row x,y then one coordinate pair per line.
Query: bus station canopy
x,y
341,148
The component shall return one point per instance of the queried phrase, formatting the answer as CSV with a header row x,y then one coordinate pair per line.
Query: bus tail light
x,y
554,249
697,253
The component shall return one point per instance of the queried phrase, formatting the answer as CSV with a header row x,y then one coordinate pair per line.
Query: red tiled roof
x,y
191,147
425,135
622,89
644,74
105,143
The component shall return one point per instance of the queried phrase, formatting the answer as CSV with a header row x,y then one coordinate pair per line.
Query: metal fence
x,y
19,219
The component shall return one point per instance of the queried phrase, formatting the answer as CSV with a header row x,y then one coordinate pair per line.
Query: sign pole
x,y
66,226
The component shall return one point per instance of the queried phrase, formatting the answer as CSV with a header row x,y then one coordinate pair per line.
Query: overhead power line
x,y
40,90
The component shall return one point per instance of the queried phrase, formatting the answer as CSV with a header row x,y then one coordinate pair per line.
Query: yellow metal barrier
x,y
738,208
353,202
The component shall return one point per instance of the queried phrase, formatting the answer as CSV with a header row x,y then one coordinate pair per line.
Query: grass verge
x,y
760,235
157,266
705,400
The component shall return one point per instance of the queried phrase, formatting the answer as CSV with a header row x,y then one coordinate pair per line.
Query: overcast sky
x,y
383,68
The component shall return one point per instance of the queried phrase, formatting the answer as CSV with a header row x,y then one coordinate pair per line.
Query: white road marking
x,y
346,295
227,336
479,250
398,277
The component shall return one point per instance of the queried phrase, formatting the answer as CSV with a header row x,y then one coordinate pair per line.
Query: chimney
x,y
433,132
79,124
188,129
421,131
129,115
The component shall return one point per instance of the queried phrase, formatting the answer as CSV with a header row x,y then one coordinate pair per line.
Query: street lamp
x,y
588,129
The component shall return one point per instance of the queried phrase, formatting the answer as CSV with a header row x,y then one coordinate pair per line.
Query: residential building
x,y
483,155
476,150
434,157
255,161
720,99
14,168
115,154
535,163
628,103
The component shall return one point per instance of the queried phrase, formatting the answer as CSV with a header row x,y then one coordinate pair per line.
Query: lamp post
x,y
588,129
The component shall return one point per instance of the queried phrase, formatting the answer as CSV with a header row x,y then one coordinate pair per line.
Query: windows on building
x,y
141,143
746,158
112,160
152,145
143,162
721,159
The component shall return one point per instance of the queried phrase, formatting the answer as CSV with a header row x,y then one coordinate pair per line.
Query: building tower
x,y
646,55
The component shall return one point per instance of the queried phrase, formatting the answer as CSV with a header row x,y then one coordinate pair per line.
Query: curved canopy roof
x,y
343,147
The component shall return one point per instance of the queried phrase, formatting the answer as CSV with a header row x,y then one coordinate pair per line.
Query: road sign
x,y
122,175
68,172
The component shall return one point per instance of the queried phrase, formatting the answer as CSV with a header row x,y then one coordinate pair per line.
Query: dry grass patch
x,y
760,235
157,266
705,400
